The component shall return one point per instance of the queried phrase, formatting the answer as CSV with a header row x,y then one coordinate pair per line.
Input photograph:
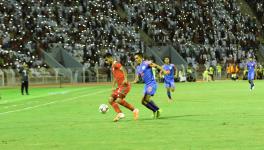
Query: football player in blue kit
x,y
169,77
251,72
144,70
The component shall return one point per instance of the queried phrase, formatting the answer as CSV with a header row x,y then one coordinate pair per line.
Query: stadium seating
x,y
205,31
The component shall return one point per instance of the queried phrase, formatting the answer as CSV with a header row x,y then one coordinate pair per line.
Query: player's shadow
x,y
170,117
173,117
179,116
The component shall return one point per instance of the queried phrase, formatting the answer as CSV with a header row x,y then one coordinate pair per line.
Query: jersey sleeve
x,y
163,67
147,63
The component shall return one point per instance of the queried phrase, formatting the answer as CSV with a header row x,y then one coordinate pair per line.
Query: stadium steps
x,y
246,10
159,52
260,53
143,36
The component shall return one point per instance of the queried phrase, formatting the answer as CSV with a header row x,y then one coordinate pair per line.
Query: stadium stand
x,y
204,32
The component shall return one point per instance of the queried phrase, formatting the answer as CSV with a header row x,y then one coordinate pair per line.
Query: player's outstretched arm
x,y
159,67
160,74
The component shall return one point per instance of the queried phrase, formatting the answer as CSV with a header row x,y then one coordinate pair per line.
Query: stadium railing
x,y
2,78
50,76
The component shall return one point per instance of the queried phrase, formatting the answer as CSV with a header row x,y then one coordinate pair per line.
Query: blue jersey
x,y
251,70
251,66
171,69
145,71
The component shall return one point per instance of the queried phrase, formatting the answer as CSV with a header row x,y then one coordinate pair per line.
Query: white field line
x,y
49,93
49,103
64,92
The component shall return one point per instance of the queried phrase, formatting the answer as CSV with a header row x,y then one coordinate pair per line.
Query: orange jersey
x,y
233,69
118,73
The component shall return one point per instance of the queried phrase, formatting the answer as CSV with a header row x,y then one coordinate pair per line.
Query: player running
x,y
251,73
144,70
169,77
123,87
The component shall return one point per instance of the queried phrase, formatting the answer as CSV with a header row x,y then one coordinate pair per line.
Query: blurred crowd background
x,y
204,32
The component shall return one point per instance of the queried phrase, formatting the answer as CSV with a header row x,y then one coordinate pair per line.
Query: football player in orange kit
x,y
123,87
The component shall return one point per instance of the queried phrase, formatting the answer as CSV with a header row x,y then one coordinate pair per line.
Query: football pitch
x,y
220,115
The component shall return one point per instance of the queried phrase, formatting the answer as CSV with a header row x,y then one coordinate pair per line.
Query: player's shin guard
x,y
116,107
169,94
148,105
251,83
126,104
154,106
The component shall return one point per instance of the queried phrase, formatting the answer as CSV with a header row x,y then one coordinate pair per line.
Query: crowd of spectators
x,y
258,7
203,31
86,29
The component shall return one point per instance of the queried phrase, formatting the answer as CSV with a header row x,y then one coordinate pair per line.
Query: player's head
x,y
250,58
138,58
166,60
108,58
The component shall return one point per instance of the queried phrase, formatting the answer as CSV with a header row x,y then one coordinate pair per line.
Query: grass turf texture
x,y
221,115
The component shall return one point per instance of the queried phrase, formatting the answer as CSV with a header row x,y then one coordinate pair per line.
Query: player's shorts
x,y
150,89
251,75
121,91
169,83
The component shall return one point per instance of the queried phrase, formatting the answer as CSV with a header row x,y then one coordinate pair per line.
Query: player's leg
x,y
151,105
123,102
155,108
169,92
22,88
252,77
170,96
26,87
117,109
121,94
172,86
250,84
147,102
168,86
250,80
115,106
170,89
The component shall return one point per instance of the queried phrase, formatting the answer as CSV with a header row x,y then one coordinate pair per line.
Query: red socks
x,y
126,104
116,107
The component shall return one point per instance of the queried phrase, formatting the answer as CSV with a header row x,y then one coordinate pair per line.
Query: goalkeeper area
x,y
220,115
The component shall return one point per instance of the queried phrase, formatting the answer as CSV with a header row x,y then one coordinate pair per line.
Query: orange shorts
x,y
121,91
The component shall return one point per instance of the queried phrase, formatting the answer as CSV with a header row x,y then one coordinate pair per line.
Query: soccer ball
x,y
103,108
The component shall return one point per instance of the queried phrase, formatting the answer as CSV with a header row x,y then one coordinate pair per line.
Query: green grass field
x,y
221,115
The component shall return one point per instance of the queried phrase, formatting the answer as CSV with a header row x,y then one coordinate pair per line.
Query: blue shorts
x,y
150,89
169,83
251,75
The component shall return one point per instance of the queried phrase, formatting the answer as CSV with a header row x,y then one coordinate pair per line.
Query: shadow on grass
x,y
166,118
